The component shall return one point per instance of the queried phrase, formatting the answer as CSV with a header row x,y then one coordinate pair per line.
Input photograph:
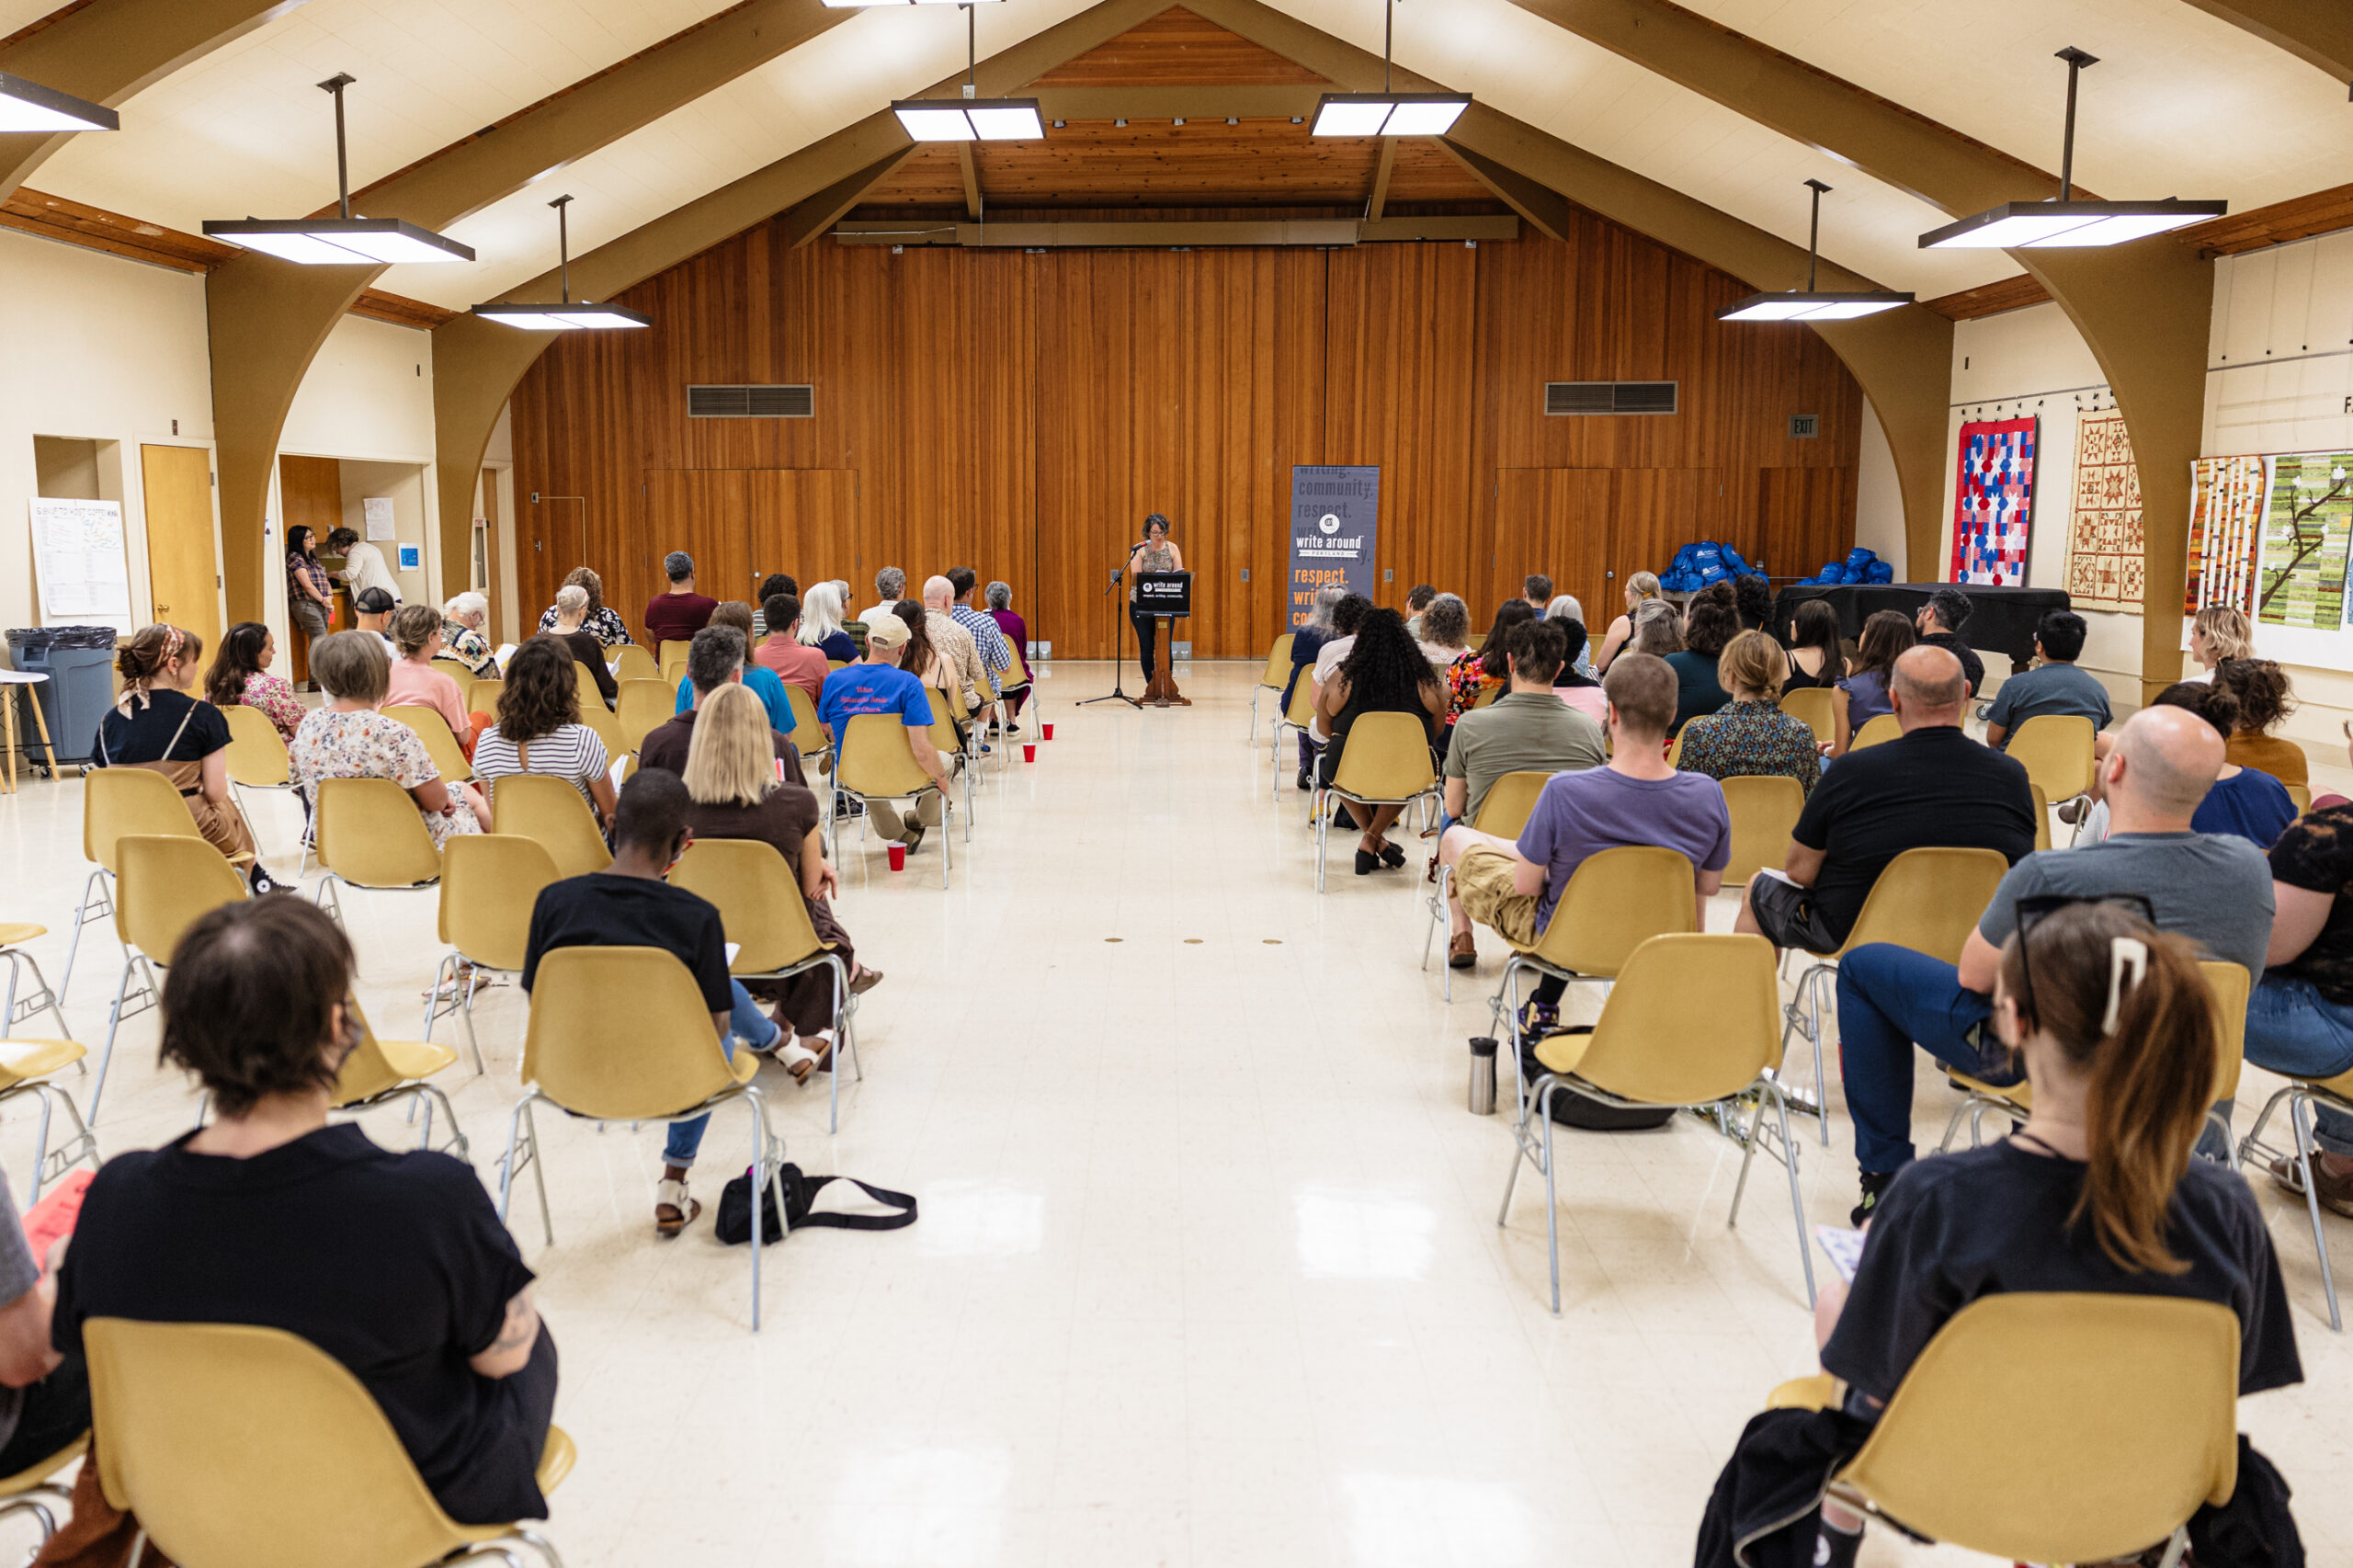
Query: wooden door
x,y
182,573
705,512
488,586
805,521
1556,521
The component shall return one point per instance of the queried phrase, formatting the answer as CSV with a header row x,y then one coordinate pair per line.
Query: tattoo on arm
x,y
522,1324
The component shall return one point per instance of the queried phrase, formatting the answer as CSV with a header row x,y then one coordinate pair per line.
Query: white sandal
x,y
673,1196
798,1059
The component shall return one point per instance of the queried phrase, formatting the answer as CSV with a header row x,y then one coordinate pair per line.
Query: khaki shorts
x,y
1484,882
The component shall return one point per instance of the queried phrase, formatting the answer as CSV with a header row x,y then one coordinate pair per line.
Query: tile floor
x,y
1208,1271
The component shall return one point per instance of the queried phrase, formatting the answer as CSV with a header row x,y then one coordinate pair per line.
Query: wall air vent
x,y
1610,397
752,402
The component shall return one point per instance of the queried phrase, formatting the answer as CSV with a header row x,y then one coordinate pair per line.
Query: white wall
x,y
1878,496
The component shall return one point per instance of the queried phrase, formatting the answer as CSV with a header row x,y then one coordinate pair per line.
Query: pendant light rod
x,y
972,53
563,243
2076,60
334,85
1813,234
1388,41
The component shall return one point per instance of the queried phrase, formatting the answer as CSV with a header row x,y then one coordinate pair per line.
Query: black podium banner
x,y
1163,593
2000,620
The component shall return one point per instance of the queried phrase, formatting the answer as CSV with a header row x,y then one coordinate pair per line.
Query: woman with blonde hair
x,y
156,725
1658,629
1642,588
731,773
821,624
1750,736
2219,632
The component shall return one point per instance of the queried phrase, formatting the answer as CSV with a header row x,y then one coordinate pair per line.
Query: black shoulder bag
x,y
733,1225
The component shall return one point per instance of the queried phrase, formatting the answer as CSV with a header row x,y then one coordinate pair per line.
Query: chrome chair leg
x,y
2299,1116
99,884
1544,1092
523,1147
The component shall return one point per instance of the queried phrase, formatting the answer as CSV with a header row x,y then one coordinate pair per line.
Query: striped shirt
x,y
573,751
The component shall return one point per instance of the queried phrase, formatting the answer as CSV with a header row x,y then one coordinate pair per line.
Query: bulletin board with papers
x,y
78,565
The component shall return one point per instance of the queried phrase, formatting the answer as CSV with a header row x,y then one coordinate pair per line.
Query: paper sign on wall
x,y
379,512
77,556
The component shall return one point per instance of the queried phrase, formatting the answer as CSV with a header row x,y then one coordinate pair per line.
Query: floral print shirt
x,y
602,624
1465,680
369,745
275,700
468,647
1743,740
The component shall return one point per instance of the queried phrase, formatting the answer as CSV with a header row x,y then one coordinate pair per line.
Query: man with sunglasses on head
x,y
2212,888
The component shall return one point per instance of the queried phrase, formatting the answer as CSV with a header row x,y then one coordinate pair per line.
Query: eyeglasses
x,y
2032,912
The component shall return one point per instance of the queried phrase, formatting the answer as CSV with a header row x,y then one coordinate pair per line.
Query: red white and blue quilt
x,y
1994,502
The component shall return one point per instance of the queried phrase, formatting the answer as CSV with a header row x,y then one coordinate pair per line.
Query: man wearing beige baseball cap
x,y
876,684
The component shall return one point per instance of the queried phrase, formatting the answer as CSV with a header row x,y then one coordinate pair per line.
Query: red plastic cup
x,y
1050,731
1029,751
898,856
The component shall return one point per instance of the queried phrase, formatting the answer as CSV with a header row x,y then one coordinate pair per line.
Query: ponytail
x,y
2131,1012
150,650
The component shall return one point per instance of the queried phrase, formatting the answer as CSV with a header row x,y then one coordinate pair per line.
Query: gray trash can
x,y
79,689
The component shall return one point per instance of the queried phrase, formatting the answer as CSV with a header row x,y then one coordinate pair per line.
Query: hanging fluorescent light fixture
x,y
870,5
1387,113
29,106
1810,304
342,241
566,315
971,117
2029,225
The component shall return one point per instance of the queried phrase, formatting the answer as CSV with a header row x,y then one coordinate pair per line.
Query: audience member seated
x,y
1015,632
603,623
1642,588
1710,623
955,642
2265,698
1527,729
1417,599
1864,693
2097,1193
347,738
996,656
2219,632
1575,683
1931,788
821,624
765,684
715,658
629,904
1814,656
240,675
1347,619
1637,798
570,629
465,635
1658,629
774,582
1308,638
923,660
2300,1018
1445,633
1940,622
2213,889
877,685
395,1263
539,729
44,1394
1750,736
417,637
1385,672
677,612
2244,801
783,654
2054,687
1567,609
156,725
732,777
1752,600
1474,674
890,587
372,609
1537,589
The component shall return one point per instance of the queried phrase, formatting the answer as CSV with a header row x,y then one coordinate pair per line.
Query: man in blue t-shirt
x,y
1639,799
876,684
2055,685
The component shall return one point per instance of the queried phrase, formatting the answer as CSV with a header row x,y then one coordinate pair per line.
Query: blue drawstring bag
x,y
1880,572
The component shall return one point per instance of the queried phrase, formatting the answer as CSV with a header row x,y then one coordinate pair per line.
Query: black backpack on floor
x,y
733,1225
1572,1109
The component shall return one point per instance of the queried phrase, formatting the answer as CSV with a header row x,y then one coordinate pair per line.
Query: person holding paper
x,y
538,729
363,564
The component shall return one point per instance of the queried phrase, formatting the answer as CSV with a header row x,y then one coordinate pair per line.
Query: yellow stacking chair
x,y
117,804
26,1064
490,882
959,763
551,812
482,696
386,1071
590,693
644,706
2056,750
633,662
876,764
673,649
1272,679
239,1446
599,718
1764,813
673,672
1813,704
1385,762
2114,1460
30,1490
257,760
2041,817
761,907
2301,1094
1645,1053
1926,899
1298,718
449,760
164,884
622,1034
1882,727
1505,813
456,669
808,737
2300,796
370,836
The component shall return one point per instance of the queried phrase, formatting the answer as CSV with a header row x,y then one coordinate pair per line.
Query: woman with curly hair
x,y
1710,623
539,729
1386,672
1473,675
1753,597
2264,700
598,622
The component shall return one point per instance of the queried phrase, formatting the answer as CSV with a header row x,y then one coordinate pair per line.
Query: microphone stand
x,y
1118,649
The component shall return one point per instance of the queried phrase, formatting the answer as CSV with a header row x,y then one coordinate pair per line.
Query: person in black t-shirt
x,y
2098,1193
1934,787
629,905
394,1264
1939,623
156,725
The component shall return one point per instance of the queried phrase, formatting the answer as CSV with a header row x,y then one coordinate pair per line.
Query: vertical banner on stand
x,y
1335,513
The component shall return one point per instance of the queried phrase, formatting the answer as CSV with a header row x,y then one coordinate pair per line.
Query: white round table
x,y
9,681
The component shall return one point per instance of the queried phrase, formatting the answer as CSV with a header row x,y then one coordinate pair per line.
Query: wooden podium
x,y
1167,597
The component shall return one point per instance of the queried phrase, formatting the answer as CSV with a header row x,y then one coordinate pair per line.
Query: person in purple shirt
x,y
1638,799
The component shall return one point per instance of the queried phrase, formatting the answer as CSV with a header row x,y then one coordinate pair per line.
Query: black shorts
x,y
1785,913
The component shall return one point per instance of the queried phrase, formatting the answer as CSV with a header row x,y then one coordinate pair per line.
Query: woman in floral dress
x,y
349,739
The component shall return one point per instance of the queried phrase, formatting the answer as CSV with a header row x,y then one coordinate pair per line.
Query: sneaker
x,y
261,881
1875,1185
914,835
2335,1191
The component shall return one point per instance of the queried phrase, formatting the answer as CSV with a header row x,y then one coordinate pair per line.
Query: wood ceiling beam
x,y
1178,103
2143,309
971,180
1381,178
477,363
808,219
1156,233
2318,32
106,51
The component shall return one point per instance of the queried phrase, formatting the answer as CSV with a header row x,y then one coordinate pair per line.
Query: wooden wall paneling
x,y
707,513
803,521
1804,518
1558,518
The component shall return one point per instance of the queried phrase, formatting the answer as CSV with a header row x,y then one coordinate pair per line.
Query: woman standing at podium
x,y
1154,553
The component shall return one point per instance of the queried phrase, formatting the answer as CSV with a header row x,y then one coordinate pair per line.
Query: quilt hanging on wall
x,y
2105,564
2306,529
2227,496
1994,502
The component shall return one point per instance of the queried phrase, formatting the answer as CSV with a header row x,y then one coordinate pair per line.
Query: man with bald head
x,y
1932,786
2212,888
955,643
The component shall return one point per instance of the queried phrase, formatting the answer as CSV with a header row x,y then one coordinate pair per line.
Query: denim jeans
x,y
1889,999
746,1024
2289,1028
